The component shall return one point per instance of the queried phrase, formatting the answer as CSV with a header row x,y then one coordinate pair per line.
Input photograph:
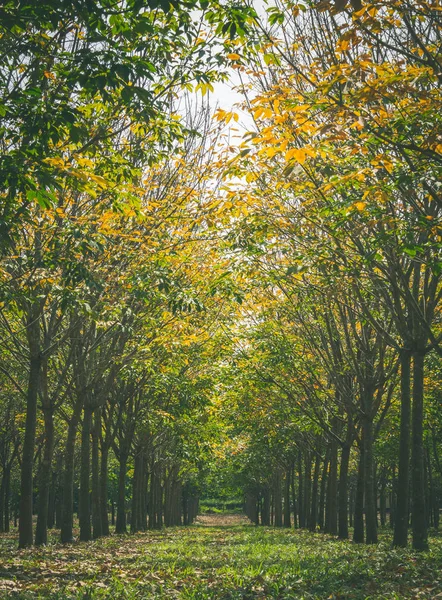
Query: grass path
x,y
220,558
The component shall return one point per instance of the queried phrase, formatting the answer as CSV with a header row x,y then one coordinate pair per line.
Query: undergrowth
x,y
220,562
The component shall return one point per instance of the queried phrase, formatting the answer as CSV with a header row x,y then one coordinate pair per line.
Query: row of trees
x,y
342,328
107,259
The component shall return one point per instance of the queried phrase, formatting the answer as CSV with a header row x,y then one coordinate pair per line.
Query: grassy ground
x,y
220,559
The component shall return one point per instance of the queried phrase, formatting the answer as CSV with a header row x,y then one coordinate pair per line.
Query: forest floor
x,y
220,557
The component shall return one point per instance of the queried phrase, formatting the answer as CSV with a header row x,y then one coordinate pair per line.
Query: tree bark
x,y
84,511
120,526
67,509
103,489
420,536
323,489
7,496
2,501
96,500
277,498
358,531
307,487
370,500
300,493
331,509
343,493
45,476
287,515
400,537
314,503
25,534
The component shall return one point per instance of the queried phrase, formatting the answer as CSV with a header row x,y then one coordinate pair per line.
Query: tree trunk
x,y
323,490
420,537
2,501
331,509
287,515
25,535
314,504
393,498
53,494
300,492
370,500
400,537
308,488
103,489
277,499
67,511
358,531
136,481
120,526
45,476
295,511
7,496
265,516
383,500
343,492
84,512
96,500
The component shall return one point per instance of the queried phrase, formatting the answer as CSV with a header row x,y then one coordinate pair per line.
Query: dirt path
x,y
217,520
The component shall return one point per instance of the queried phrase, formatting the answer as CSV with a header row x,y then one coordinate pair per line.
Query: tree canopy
x,y
182,314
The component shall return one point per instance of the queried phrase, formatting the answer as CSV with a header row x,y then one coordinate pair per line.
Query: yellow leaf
x,y
233,56
360,205
250,177
297,154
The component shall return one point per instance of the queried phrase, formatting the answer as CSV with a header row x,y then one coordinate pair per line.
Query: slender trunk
x,y
142,494
7,496
96,500
103,489
151,522
41,534
265,517
2,501
120,526
295,511
358,531
393,501
25,535
400,537
67,511
84,512
428,518
300,492
323,490
134,519
277,499
308,488
314,504
159,503
383,500
184,504
331,509
343,492
420,537
370,501
53,495
351,508
287,516
431,490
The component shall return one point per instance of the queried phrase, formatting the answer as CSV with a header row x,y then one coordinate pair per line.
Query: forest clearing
x,y
220,294
215,561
